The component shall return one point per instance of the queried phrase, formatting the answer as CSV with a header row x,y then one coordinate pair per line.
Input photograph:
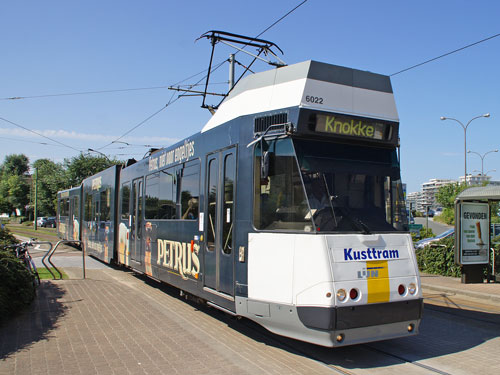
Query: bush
x,y
439,258
6,238
16,282
424,233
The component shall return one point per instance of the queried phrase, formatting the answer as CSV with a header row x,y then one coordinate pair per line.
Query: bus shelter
x,y
474,233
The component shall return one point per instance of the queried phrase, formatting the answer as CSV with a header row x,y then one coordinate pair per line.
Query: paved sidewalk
x,y
115,323
486,292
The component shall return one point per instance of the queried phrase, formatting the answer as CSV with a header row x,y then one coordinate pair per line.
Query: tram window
x,y
167,195
88,207
362,184
105,209
227,219
65,207
76,207
279,199
213,178
190,193
152,196
125,195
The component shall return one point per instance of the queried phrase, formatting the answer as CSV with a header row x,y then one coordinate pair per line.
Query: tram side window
x,y
76,207
64,207
279,198
105,209
125,195
190,190
168,200
152,196
88,207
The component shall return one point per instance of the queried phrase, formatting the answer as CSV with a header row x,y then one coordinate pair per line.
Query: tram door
x,y
136,220
219,252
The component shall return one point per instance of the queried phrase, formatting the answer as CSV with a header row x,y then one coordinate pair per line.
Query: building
x,y
429,191
475,179
415,201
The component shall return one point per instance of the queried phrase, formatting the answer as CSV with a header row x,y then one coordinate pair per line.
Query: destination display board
x,y
474,233
352,127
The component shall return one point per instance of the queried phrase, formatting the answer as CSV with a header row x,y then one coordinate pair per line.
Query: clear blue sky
x,y
54,47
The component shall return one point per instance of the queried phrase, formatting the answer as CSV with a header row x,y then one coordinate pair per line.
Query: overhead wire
x,y
171,101
39,134
445,54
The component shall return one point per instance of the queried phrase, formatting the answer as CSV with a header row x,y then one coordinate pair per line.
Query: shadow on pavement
x,y
443,331
34,324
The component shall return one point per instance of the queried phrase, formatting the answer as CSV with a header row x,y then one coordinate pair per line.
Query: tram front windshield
x,y
328,187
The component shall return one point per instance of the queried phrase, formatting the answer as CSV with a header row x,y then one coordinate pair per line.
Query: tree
x,y
446,196
50,179
16,165
14,183
82,166
447,193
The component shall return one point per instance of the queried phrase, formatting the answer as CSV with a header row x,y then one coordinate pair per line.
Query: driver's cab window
x,y
279,199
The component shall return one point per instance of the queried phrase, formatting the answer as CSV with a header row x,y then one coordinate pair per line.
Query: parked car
x,y
427,241
40,220
47,222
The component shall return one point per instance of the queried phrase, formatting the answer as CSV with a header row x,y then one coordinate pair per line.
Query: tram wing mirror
x,y
264,165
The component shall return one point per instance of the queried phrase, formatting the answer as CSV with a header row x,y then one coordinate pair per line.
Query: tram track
x,y
310,351
418,364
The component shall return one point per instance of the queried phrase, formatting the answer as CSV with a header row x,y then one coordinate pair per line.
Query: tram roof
x,y
343,90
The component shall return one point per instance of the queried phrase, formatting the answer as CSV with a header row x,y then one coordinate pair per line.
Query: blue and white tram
x,y
287,209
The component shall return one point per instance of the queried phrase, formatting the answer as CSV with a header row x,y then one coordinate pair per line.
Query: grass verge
x,y
45,274
41,233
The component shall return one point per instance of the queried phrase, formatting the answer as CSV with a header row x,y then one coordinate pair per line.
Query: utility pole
x,y
36,186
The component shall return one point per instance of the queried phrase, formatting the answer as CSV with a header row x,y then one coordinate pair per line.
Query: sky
x,y
62,47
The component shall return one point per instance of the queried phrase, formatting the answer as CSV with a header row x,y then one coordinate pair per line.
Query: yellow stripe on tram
x,y
378,281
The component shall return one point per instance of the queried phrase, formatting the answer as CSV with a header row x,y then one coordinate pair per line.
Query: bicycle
x,y
21,252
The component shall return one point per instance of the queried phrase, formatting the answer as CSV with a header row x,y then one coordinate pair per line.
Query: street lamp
x,y
465,138
491,170
482,157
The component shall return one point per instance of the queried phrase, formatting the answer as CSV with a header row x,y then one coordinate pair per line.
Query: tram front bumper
x,y
349,317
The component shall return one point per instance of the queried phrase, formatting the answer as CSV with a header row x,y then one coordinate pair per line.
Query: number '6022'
x,y
314,99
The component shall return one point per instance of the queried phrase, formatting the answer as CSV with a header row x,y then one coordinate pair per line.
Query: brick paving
x,y
115,323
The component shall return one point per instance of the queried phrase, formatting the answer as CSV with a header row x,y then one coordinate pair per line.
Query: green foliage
x,y
14,183
51,179
82,166
447,217
16,282
447,193
15,165
424,233
6,238
439,258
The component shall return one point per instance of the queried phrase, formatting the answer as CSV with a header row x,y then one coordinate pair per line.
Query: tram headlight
x,y
341,295
412,288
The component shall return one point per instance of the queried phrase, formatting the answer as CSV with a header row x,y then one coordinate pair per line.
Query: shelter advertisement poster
x,y
474,233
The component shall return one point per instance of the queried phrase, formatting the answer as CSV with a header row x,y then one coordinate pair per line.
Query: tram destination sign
x,y
353,127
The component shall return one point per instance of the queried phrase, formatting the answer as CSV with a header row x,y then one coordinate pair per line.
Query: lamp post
x,y
491,170
465,138
482,157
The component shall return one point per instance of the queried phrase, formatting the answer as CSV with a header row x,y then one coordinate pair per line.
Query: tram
x,y
287,208
68,214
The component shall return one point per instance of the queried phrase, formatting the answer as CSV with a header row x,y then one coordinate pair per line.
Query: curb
x,y
477,295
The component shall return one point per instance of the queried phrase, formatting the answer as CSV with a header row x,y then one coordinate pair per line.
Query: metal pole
x,y
231,71
465,154
427,221
36,203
